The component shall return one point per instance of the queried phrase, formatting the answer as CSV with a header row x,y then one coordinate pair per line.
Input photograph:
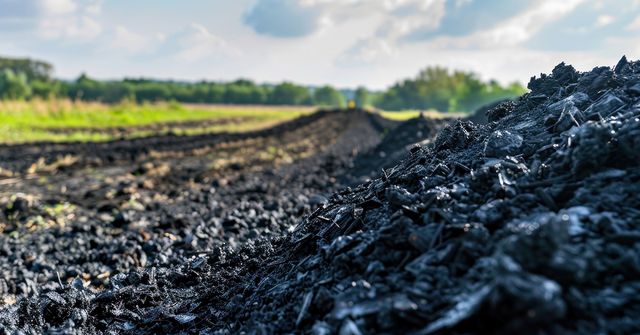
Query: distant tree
x,y
290,94
361,97
116,91
46,89
215,93
244,94
14,85
438,88
200,92
32,69
328,96
151,92
85,88
433,88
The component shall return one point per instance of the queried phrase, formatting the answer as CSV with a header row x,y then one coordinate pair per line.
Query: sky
x,y
345,43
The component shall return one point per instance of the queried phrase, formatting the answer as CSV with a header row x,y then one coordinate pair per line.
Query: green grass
x,y
22,121
12,135
410,114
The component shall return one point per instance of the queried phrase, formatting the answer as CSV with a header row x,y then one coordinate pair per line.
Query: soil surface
x,y
90,211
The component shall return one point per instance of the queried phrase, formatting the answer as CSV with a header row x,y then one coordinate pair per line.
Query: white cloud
x,y
197,43
635,25
393,19
604,20
522,27
75,20
74,28
160,37
129,41
94,7
297,18
190,44
366,52
515,30
410,15
58,7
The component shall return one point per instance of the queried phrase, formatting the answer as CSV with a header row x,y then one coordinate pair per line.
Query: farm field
x,y
65,120
68,121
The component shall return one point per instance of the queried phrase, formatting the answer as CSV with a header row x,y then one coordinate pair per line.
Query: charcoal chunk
x,y
502,143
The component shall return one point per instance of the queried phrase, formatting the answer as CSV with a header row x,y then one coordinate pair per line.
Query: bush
x,y
14,85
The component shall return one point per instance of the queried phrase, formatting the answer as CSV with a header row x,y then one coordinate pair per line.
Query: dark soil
x,y
166,206
159,202
528,225
479,116
394,146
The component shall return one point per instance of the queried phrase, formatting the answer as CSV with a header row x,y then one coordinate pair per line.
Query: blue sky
x,y
341,42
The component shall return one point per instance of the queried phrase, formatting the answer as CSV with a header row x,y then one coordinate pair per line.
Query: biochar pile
x,y
527,224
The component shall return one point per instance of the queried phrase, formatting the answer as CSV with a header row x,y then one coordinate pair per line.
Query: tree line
x,y
443,90
434,88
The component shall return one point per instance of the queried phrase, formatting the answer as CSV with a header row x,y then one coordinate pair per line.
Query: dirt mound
x,y
525,225
479,116
395,144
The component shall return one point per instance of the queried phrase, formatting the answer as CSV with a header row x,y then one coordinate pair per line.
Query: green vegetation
x,y
328,96
362,97
438,88
434,88
64,120
290,94
13,85
411,114
27,79
34,70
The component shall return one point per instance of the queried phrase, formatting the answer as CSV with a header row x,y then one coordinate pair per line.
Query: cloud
x,y
191,44
131,42
508,32
94,7
52,19
299,18
397,40
604,20
440,25
634,25
592,26
284,18
366,52
58,7
74,29
409,16
196,43
522,27
461,18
